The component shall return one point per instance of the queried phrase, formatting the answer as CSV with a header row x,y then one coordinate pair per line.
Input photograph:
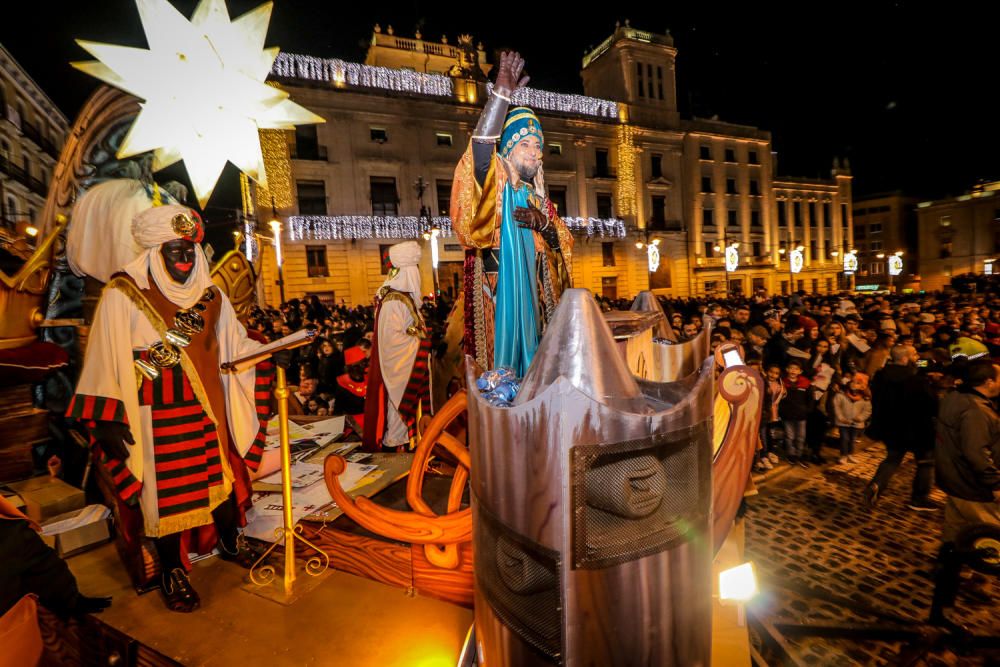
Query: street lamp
x,y
431,236
276,233
652,247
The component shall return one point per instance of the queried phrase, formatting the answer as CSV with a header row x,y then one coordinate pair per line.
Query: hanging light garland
x,y
346,227
626,170
332,228
245,195
602,227
339,72
563,103
278,167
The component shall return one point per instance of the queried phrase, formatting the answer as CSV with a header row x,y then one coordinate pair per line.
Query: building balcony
x,y
308,152
665,226
37,186
32,133
14,172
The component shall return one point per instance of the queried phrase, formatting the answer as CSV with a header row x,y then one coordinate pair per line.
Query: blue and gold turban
x,y
521,121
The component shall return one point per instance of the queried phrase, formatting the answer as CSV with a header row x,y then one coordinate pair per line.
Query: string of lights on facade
x,y
609,228
626,170
339,72
347,227
563,102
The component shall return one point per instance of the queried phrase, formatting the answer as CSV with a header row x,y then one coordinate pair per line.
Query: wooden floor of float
x,y
346,620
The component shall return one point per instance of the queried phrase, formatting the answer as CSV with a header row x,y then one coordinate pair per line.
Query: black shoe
x,y
178,592
792,460
922,506
871,495
803,463
243,554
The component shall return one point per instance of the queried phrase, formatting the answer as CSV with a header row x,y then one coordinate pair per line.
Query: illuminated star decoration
x,y
203,88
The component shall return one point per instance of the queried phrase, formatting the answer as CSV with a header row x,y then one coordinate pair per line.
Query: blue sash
x,y
516,322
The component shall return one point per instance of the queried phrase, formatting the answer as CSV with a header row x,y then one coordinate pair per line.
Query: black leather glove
x,y
282,358
112,436
530,217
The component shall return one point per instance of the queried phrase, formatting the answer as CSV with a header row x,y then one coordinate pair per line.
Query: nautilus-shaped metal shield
x,y
591,501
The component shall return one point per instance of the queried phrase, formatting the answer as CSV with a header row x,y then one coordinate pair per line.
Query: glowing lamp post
x,y
276,234
652,252
431,236
895,266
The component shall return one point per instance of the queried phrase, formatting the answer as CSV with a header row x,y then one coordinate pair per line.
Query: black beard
x,y
525,174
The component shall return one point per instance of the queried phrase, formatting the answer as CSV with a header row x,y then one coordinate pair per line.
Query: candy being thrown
x,y
499,387
507,390
490,380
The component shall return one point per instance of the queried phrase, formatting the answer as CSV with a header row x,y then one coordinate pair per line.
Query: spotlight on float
x,y
738,584
31,230
639,245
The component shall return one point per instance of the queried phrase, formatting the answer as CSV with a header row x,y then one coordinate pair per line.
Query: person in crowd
x,y
851,409
967,461
351,390
772,429
903,408
329,364
794,411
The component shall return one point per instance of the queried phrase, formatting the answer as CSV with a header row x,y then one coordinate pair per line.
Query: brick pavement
x,y
808,528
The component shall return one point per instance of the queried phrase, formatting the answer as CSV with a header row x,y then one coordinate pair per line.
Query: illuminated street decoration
x,y
626,170
603,227
895,265
203,88
653,257
336,227
278,170
339,73
796,260
732,258
850,262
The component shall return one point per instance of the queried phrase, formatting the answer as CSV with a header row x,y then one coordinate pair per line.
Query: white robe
x,y
397,351
108,371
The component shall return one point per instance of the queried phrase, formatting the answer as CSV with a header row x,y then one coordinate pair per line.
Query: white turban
x,y
405,257
153,228
404,254
99,241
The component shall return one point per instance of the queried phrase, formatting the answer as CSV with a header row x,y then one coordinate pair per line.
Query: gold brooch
x,y
148,370
164,355
183,225
177,338
189,321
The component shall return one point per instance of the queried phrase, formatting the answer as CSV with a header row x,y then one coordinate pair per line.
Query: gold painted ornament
x,y
164,355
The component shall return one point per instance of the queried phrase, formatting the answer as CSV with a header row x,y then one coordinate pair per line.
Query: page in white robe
x,y
397,351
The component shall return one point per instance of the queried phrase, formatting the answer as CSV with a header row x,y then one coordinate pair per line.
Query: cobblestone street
x,y
823,558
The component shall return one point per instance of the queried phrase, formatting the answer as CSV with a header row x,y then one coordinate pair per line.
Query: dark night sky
x,y
900,88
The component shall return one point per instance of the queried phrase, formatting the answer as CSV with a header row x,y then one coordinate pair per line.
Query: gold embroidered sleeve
x,y
475,210
565,242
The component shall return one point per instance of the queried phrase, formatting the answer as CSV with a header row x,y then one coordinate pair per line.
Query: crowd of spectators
x,y
343,333
834,366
